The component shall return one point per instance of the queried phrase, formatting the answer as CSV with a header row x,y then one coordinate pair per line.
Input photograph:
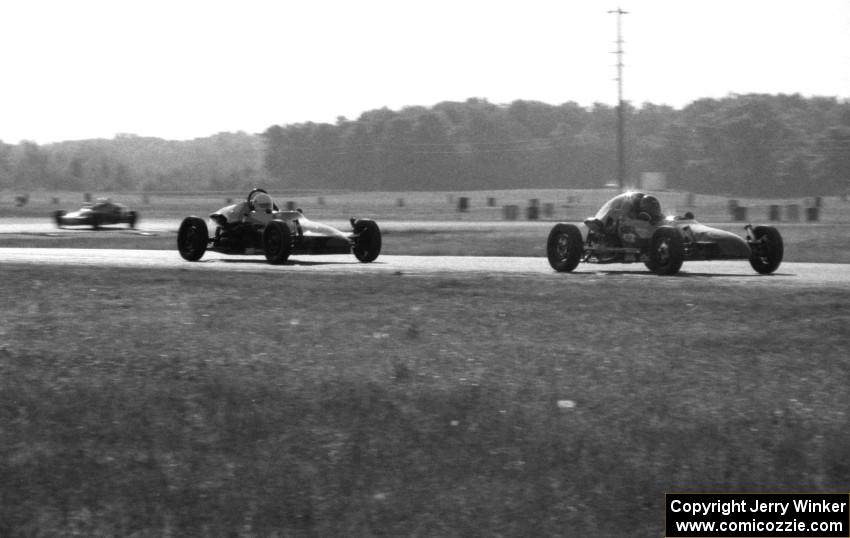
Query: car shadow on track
x,y
687,274
262,261
70,232
736,275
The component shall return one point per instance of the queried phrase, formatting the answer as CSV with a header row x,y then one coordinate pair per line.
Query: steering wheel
x,y
251,201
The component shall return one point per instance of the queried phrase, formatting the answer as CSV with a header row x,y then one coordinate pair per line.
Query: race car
x,y
96,214
631,227
257,226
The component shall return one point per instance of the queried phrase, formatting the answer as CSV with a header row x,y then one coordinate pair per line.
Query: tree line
x,y
133,163
777,145
743,145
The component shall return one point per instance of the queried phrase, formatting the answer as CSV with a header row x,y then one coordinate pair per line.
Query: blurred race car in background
x,y
96,214
631,227
257,226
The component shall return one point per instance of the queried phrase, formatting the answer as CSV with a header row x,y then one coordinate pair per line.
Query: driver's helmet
x,y
651,206
262,202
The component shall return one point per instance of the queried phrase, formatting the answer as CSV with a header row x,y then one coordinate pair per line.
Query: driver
x,y
651,207
642,213
260,208
262,203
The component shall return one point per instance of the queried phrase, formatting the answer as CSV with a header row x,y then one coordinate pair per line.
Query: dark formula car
x,y
632,228
101,212
257,226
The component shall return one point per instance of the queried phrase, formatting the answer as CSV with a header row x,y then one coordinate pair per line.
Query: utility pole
x,y
621,131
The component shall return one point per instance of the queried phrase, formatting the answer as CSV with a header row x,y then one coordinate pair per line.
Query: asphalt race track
x,y
33,226
788,275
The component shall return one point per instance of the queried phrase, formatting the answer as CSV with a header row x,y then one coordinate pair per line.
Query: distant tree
x,y
539,119
359,149
436,161
674,161
5,164
122,179
32,169
494,151
832,161
77,168
396,153
324,167
273,156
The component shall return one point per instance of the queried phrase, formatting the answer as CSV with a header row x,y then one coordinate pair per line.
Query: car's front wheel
x,y
367,244
666,253
132,219
767,249
192,238
277,242
58,216
564,247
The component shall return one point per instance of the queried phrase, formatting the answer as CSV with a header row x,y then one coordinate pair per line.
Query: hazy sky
x,y
179,69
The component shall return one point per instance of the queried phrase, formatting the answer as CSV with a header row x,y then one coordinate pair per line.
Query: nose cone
x,y
726,244
729,244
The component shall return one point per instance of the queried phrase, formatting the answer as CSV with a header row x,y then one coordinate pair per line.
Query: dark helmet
x,y
651,206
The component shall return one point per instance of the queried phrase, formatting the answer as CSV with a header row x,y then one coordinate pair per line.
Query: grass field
x,y
565,204
189,403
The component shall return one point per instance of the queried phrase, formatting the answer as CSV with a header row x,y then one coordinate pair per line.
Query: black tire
x,y
57,216
367,244
564,247
132,219
666,252
767,249
95,221
277,242
192,238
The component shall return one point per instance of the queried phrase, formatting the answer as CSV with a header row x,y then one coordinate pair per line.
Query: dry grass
x,y
566,204
194,403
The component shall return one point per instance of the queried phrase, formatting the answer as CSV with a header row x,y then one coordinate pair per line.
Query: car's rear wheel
x,y
57,216
666,253
277,242
95,221
767,249
192,238
132,218
564,247
367,244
